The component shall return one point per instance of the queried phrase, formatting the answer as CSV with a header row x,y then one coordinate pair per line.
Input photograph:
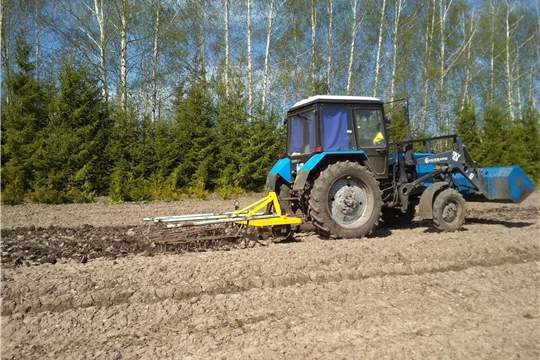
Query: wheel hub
x,y
346,201
450,212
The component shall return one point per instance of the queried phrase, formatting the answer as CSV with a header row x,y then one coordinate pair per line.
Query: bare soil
x,y
81,281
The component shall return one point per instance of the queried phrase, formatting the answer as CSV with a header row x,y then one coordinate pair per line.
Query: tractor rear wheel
x,y
345,201
449,210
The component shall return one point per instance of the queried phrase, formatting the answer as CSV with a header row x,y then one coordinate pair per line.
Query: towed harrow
x,y
239,228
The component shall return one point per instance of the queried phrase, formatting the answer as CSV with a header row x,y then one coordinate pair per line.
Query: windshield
x,y
302,133
369,127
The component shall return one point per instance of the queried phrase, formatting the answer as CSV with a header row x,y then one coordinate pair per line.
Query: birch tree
x,y
313,23
398,7
124,14
100,15
329,44
271,14
354,30
226,4
382,21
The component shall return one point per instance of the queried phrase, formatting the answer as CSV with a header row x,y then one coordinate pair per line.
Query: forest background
x,y
154,99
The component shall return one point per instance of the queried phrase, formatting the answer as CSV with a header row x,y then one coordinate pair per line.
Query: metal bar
x,y
191,218
221,221
178,217
252,205
196,217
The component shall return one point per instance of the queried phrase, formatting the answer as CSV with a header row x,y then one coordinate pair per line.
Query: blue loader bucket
x,y
506,184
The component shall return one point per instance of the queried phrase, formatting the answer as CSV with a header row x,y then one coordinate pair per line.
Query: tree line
x,y
62,143
150,99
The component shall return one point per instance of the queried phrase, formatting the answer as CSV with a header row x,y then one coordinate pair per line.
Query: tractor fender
x,y
317,161
282,168
425,208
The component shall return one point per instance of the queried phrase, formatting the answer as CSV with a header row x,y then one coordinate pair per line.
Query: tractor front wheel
x,y
345,201
449,210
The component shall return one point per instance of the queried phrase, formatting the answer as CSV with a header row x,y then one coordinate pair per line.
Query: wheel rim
x,y
450,211
348,202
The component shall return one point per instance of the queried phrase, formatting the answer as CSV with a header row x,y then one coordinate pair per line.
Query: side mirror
x,y
284,122
388,120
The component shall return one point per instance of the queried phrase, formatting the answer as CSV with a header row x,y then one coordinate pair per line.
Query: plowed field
x,y
82,282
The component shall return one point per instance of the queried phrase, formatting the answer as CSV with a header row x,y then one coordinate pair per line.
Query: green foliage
x,y
228,191
198,190
70,152
494,142
13,193
24,118
260,152
467,126
397,129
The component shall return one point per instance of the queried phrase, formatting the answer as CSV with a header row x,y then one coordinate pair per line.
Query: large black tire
x,y
449,210
395,218
345,201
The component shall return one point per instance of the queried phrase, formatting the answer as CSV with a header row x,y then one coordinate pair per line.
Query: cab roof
x,y
335,98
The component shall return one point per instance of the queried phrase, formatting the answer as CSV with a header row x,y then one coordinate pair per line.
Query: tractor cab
x,y
337,126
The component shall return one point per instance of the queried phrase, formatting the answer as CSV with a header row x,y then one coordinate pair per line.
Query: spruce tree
x,y
231,135
260,151
467,127
71,157
195,146
24,119
495,138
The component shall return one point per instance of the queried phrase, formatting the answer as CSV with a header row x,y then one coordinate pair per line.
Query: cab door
x,y
371,137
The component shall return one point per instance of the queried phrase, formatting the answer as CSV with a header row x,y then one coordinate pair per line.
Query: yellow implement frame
x,y
248,216
271,199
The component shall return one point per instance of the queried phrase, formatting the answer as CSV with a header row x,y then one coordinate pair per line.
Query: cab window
x,y
369,127
336,128
302,133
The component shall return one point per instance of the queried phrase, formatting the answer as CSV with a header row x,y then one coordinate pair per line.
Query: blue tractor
x,y
341,173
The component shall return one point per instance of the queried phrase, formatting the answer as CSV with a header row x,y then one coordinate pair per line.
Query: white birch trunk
x,y
442,20
269,26
100,18
250,71
330,44
379,49
155,54
36,34
509,90
351,54
313,36
397,17
467,80
123,56
202,29
427,66
492,58
227,49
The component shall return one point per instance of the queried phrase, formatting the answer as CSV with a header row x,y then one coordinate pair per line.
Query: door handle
x,y
381,151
